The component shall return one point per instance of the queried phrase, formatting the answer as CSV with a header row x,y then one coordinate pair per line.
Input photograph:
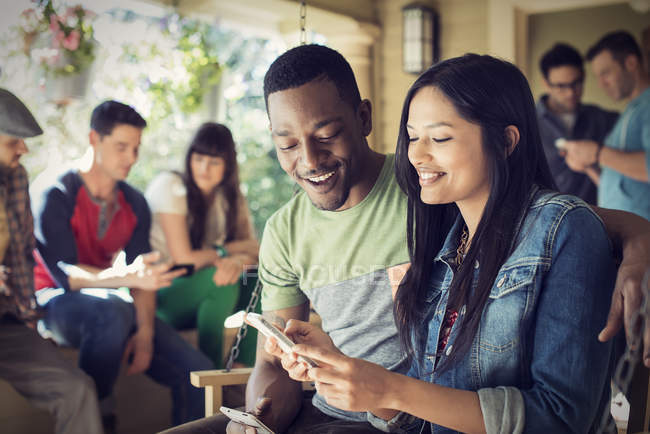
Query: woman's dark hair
x,y
493,94
214,140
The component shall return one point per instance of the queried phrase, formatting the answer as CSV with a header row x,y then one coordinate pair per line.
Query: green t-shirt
x,y
338,260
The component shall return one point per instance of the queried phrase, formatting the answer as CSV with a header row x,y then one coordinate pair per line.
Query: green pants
x,y
195,301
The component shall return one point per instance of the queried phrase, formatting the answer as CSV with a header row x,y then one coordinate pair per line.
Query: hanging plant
x,y
61,43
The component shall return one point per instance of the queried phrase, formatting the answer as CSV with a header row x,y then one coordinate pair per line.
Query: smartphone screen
x,y
189,268
246,419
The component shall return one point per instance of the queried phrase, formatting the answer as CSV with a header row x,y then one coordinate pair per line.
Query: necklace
x,y
462,246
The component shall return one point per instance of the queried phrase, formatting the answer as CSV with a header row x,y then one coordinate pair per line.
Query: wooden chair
x,y
215,380
639,399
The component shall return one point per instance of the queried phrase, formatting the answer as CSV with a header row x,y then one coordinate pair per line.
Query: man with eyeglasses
x,y
624,155
563,117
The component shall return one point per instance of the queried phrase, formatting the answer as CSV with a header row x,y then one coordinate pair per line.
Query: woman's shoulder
x,y
166,193
551,214
166,183
552,204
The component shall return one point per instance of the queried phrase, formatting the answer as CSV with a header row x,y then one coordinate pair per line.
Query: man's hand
x,y
260,411
229,269
149,276
299,332
4,275
580,154
138,352
628,293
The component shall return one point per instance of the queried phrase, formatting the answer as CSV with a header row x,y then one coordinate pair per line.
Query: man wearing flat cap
x,y
29,363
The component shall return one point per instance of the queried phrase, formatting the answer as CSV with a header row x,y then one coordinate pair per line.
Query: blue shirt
x,y
631,134
538,333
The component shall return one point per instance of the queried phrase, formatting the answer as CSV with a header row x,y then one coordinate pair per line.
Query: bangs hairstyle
x,y
305,63
214,140
493,94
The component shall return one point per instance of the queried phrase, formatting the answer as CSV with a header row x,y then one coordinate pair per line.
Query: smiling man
x,y
81,223
339,244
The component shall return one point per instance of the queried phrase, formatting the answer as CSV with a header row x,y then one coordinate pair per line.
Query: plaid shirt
x,y
18,298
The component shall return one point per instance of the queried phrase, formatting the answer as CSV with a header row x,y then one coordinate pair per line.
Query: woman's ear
x,y
512,136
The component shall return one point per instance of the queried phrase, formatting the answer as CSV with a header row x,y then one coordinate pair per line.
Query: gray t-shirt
x,y
341,261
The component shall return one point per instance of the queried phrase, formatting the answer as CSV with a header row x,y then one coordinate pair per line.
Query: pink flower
x,y
58,39
54,23
72,41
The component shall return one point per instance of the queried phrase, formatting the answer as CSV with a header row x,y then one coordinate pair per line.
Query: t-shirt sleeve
x,y
645,136
167,194
279,280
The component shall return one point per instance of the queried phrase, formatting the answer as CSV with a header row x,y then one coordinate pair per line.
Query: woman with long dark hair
x,y
200,217
509,284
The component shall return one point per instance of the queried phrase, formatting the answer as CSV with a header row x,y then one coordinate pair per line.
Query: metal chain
x,y
632,356
303,22
243,329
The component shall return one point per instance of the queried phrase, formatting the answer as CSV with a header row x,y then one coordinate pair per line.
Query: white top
x,y
167,194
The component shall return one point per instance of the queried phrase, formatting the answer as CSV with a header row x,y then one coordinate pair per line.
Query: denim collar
x,y
448,251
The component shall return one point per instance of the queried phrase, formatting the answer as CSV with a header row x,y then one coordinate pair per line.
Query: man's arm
x,y
630,164
630,235
141,343
270,380
143,273
581,154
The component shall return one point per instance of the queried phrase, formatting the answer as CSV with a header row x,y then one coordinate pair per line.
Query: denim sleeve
x,y
570,368
503,410
400,423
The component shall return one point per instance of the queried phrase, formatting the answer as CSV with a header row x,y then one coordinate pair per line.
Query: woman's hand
x,y
229,269
345,382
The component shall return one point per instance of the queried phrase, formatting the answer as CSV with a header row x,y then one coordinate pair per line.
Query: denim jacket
x,y
535,361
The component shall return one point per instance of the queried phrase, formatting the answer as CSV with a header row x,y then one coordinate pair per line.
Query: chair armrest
x,y
213,381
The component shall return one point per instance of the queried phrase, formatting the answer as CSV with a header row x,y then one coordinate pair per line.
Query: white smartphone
x,y
246,419
268,330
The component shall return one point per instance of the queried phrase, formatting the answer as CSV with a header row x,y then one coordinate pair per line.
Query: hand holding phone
x,y
189,269
246,419
268,330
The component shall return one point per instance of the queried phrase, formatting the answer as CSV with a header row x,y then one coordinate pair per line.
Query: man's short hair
x,y
111,113
561,55
620,43
305,63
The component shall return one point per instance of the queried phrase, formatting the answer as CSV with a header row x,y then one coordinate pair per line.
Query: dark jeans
x,y
100,321
309,420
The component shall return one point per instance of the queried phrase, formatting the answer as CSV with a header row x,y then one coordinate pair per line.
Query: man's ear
x,y
631,63
364,112
512,136
547,86
93,137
